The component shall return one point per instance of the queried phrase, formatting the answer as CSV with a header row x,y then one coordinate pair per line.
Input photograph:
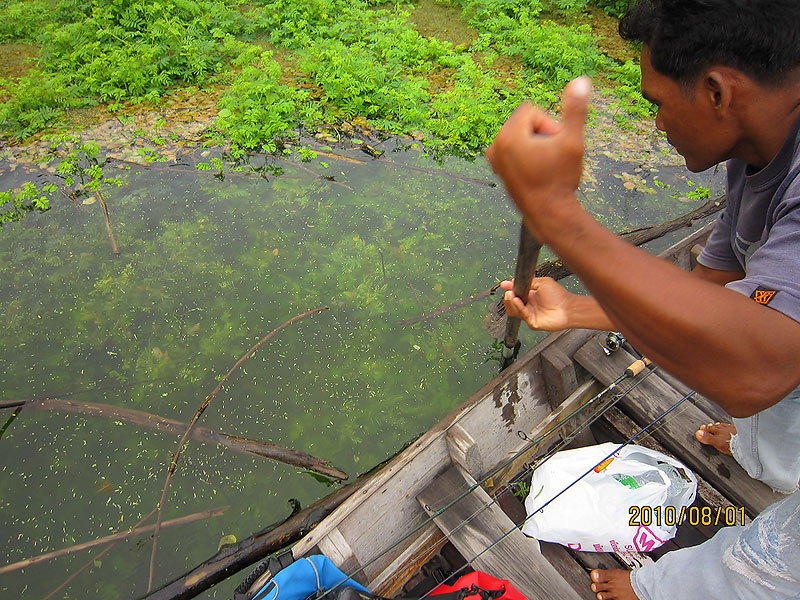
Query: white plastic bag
x,y
633,501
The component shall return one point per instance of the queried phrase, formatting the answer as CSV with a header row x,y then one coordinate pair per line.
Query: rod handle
x,y
637,366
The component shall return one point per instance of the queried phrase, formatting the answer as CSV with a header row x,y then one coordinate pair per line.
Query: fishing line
x,y
631,371
631,439
601,410
529,469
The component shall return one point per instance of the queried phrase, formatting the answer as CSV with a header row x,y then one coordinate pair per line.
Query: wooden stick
x,y
236,443
557,270
94,558
108,223
174,462
230,173
232,559
206,514
389,163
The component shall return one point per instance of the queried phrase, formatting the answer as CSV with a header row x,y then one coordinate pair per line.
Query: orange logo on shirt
x,y
763,296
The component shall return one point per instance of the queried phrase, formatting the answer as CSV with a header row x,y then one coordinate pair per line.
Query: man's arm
x,y
552,308
715,275
722,344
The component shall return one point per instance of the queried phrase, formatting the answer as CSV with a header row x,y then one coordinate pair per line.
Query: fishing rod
x,y
631,371
527,257
630,440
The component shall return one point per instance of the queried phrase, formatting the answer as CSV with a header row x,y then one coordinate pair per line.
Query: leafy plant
x,y
36,101
615,8
257,109
22,21
357,82
556,54
14,205
629,79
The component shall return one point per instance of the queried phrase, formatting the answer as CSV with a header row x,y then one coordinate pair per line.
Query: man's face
x,y
685,115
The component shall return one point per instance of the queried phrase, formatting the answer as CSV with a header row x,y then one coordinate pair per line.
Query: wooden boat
x,y
391,536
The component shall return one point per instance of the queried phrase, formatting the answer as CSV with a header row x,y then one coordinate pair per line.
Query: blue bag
x,y
305,578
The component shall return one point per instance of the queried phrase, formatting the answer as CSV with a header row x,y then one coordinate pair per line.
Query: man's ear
x,y
717,88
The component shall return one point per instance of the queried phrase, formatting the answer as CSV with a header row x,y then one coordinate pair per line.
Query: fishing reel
x,y
614,341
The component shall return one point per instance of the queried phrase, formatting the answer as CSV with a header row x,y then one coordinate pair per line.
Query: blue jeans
x,y
767,444
758,561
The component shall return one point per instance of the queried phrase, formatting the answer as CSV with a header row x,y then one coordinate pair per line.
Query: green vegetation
x,y
325,61
15,205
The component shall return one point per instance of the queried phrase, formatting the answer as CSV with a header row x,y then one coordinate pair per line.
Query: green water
x,y
207,268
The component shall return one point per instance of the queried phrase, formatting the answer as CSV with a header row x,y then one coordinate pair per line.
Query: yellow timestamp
x,y
694,515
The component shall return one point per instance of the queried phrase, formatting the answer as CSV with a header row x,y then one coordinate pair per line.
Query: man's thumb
x,y
576,105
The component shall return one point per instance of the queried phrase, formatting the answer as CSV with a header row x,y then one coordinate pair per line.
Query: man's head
x,y
719,71
760,38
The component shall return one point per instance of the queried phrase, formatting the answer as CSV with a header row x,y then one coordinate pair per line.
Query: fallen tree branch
x,y
389,163
232,559
557,270
103,552
174,462
228,174
108,222
206,514
236,443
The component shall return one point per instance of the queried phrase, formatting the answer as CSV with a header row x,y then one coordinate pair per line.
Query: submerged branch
x,y
206,514
108,223
232,559
557,270
99,554
179,168
236,443
389,163
174,462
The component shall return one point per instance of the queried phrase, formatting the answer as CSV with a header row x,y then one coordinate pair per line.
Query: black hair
x,y
760,38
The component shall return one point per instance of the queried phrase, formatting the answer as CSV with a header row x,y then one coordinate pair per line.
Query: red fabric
x,y
482,580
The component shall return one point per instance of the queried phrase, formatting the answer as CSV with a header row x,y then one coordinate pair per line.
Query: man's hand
x,y
540,159
552,308
547,306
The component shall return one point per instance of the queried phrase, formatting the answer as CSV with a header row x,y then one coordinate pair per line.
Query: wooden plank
x,y
680,253
570,569
650,399
714,412
385,509
464,451
475,523
559,375
389,583
557,555
335,547
583,394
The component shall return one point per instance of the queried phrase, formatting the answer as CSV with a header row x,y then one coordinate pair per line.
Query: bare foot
x,y
717,435
613,584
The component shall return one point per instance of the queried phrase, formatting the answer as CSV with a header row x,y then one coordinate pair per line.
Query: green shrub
x,y
629,83
133,50
13,206
357,82
615,8
557,54
470,115
23,21
36,101
256,109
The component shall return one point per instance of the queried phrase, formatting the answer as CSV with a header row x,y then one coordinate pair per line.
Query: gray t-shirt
x,y
759,230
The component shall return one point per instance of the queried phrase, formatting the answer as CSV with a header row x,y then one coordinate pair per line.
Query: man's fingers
x,y
576,107
515,307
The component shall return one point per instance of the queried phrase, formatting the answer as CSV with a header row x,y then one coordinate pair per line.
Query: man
x,y
724,76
